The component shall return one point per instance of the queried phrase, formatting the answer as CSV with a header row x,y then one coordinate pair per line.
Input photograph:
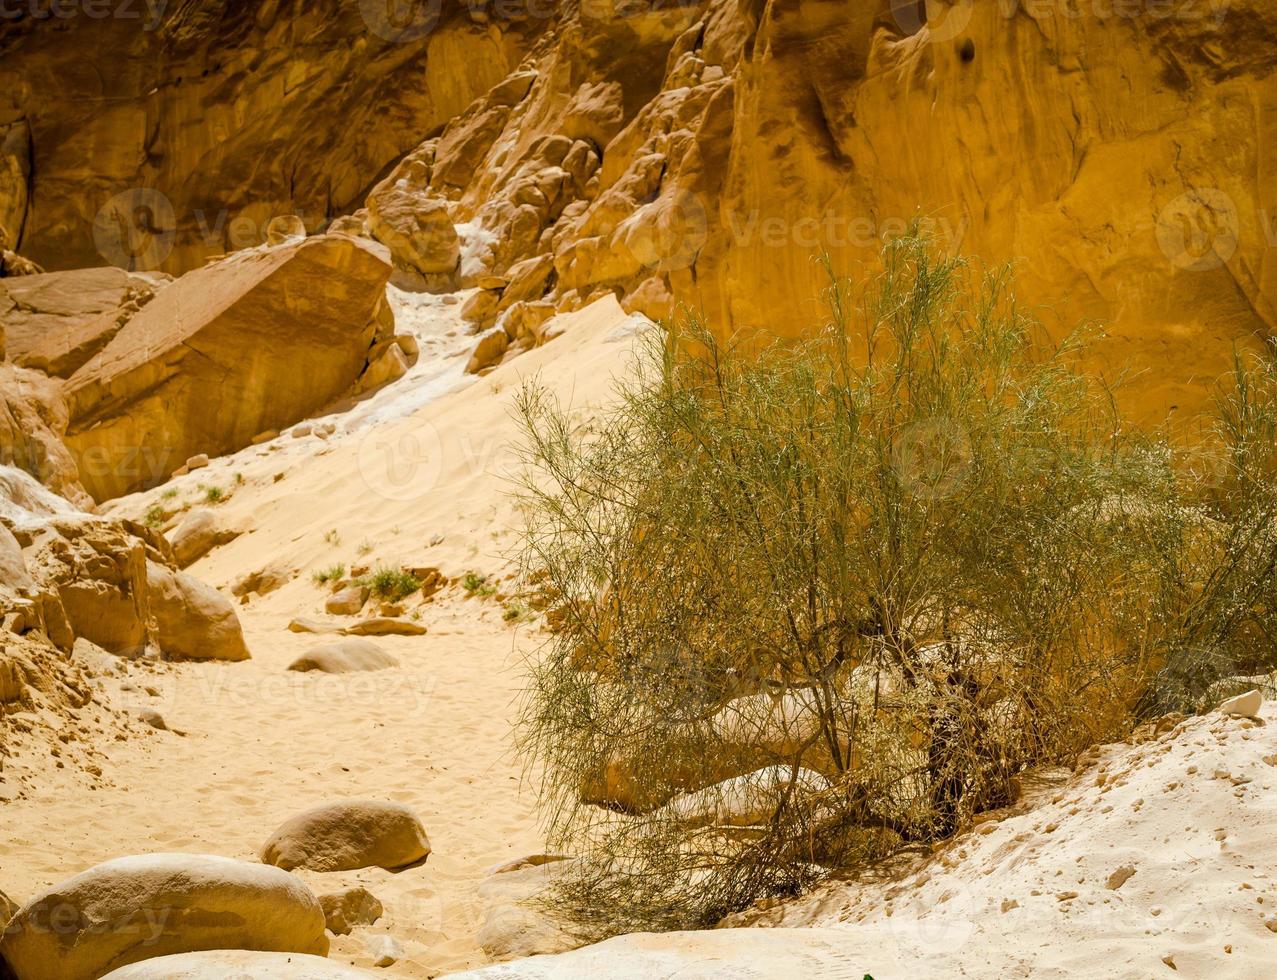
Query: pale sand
x,y
262,743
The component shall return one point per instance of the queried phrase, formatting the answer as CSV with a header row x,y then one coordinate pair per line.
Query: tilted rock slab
x,y
349,835
135,908
254,342
344,657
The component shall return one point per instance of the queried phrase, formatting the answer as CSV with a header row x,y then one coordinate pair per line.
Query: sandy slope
x,y
405,479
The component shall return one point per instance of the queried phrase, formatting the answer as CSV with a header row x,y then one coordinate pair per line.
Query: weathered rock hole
x,y
967,51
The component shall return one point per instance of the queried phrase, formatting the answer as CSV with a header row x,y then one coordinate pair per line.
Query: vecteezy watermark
x,y
932,458
833,229
401,21
150,12
135,229
401,466
668,233
1199,229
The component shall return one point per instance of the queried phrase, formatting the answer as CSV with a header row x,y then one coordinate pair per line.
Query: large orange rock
x,y
254,342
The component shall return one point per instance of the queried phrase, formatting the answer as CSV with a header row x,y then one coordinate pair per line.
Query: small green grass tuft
x,y
476,584
214,495
332,573
155,516
517,611
392,583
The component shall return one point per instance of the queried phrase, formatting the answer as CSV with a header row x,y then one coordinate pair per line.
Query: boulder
x,y
489,350
12,683
33,420
136,908
349,835
385,626
481,309
350,907
743,801
197,535
285,229
193,620
98,571
384,950
387,365
416,226
344,657
1245,705
513,925
238,964
269,336
263,580
308,624
347,602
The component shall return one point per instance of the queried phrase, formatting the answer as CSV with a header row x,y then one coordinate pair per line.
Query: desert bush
x,y
820,601
393,583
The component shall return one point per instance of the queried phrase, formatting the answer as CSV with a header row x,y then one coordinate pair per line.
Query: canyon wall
x,y
704,152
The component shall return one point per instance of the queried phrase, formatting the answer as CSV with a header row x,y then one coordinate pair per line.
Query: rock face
x,y
160,904
349,835
267,336
215,118
194,620
197,535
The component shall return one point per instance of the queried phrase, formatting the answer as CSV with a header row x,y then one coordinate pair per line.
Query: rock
x,y
198,533
196,462
385,626
416,226
528,280
481,309
384,950
263,581
193,620
527,861
347,602
145,396
744,801
344,657
12,683
389,365
349,835
306,624
159,904
285,229
49,309
350,907
7,910
238,964
153,719
13,568
266,436
98,571
1120,877
33,420
489,350
711,954
513,925
1245,705
349,224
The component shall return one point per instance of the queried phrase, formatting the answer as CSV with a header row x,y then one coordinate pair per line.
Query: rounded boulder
x,y
137,908
349,835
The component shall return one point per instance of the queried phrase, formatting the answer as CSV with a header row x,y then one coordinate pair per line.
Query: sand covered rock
x,y
385,626
263,580
236,964
344,657
271,336
194,621
310,624
349,835
744,800
1246,705
513,925
489,350
350,907
150,905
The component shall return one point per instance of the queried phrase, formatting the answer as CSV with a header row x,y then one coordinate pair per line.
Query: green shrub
x,y
476,584
214,495
155,516
333,573
883,571
393,583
